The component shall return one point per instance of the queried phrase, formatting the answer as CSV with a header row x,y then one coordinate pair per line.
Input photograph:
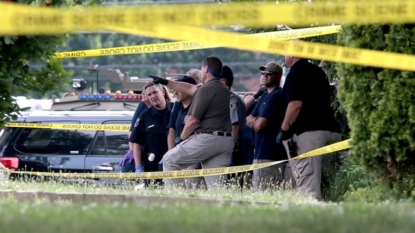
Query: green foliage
x,y
380,106
16,55
347,181
53,79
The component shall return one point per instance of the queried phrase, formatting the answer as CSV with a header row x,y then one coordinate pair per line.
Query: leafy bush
x,y
380,106
348,181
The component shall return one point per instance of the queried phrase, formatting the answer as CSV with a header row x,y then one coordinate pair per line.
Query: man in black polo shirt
x,y
266,120
151,130
309,121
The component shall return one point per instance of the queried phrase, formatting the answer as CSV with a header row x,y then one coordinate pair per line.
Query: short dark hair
x,y
214,65
160,87
150,83
227,74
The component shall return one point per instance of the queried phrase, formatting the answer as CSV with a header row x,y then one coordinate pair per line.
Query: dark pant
x,y
148,167
128,167
152,166
237,159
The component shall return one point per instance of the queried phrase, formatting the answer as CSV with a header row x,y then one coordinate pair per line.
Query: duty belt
x,y
218,133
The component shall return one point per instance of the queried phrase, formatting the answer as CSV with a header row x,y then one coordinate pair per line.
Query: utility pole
x,y
94,67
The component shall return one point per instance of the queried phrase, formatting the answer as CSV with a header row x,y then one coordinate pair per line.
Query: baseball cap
x,y
187,79
271,67
227,74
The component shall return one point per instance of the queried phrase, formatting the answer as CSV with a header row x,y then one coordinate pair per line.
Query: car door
x,y
52,150
108,150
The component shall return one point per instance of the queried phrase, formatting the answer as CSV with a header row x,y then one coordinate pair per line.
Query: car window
x,y
117,142
5,134
54,141
79,143
111,143
42,141
99,147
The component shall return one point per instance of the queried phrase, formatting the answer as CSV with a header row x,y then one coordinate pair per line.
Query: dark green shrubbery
x,y
380,107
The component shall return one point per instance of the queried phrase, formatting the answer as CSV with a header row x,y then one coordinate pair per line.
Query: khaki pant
x,y
195,182
307,171
211,150
276,176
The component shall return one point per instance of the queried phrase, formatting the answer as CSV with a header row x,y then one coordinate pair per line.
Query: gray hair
x,y
195,74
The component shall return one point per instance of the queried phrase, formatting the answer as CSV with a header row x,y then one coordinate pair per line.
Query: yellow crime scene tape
x,y
302,49
46,20
184,173
238,41
107,127
194,45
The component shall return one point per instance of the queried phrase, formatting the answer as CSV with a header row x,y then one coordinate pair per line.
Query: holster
x,y
292,148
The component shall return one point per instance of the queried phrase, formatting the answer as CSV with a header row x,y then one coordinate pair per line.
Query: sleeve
x,y
234,108
140,108
271,106
200,104
173,115
251,108
255,112
139,132
296,86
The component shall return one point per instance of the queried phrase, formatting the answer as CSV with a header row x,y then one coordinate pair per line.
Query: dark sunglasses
x,y
267,73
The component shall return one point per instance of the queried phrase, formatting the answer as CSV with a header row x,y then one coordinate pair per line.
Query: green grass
x,y
65,217
287,211
232,192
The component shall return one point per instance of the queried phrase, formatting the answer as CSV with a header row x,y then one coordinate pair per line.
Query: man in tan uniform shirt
x,y
207,136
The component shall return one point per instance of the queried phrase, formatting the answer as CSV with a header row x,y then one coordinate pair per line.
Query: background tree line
x,y
244,64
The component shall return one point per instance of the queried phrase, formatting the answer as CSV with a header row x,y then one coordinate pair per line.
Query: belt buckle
x,y
219,133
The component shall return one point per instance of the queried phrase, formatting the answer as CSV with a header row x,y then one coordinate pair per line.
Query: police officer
x,y
237,114
237,111
151,131
179,112
127,162
207,136
177,122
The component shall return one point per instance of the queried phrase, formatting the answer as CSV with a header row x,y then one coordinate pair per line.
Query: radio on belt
x,y
151,157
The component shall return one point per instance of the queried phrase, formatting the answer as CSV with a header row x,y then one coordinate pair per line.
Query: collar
x,y
299,62
153,111
188,106
213,80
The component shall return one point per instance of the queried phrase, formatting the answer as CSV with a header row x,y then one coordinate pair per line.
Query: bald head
x,y
195,74
291,60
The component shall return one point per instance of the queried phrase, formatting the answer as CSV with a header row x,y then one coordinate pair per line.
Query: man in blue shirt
x,y
248,142
266,121
176,125
179,112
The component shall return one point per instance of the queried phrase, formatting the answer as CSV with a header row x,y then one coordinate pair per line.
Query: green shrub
x,y
345,177
380,107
